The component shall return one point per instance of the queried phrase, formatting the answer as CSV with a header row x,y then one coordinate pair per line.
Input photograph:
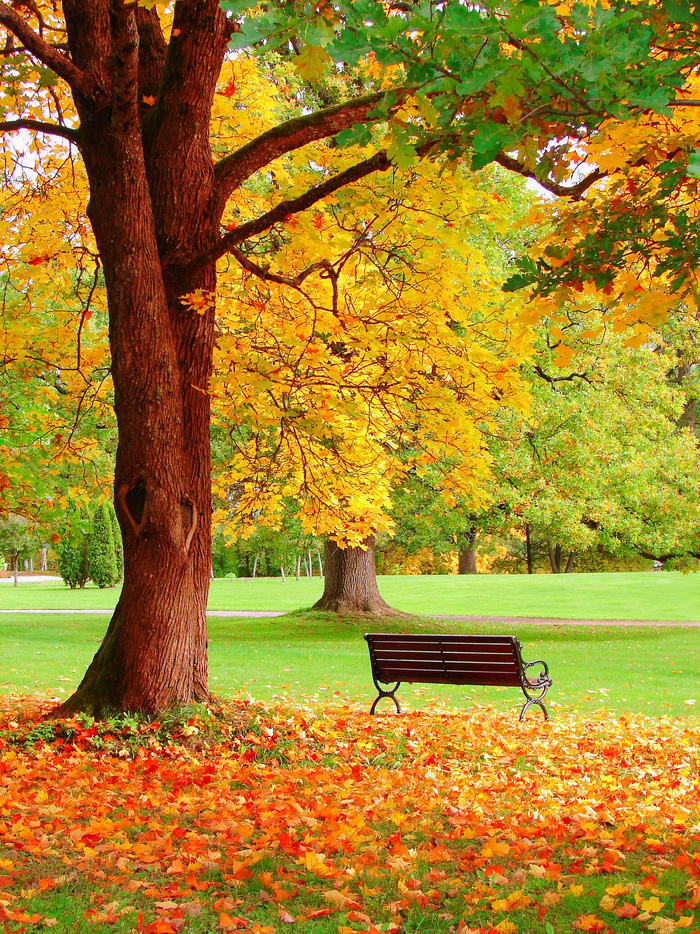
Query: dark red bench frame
x,y
453,659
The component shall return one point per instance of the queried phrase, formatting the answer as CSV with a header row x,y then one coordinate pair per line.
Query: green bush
x,y
118,546
72,557
102,554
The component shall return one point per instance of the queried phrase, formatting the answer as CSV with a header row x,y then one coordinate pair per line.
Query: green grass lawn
x,y
651,670
643,596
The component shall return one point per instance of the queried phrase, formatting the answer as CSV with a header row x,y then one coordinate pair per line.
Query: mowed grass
x,y
652,670
638,596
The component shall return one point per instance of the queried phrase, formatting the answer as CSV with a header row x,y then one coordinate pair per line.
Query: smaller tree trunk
x,y
350,583
466,556
528,549
44,560
15,565
554,557
298,566
569,563
284,579
320,565
255,564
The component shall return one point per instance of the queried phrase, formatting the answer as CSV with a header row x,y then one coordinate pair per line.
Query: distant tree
x,y
16,541
102,554
117,538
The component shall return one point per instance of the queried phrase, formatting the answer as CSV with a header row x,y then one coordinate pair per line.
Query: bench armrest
x,y
544,673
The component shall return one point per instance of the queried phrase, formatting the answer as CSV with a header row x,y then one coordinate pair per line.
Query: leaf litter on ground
x,y
242,816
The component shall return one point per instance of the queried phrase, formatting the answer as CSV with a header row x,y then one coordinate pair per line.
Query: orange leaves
x,y
359,820
590,923
227,923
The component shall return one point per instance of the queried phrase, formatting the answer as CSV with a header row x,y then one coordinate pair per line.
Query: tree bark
x,y
569,563
554,557
466,556
528,549
350,582
151,212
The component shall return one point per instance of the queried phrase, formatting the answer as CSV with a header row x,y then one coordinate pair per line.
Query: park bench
x,y
453,659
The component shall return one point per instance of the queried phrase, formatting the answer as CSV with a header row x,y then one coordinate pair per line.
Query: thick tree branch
x,y
59,63
53,129
235,168
560,379
152,50
377,163
191,66
574,192
261,273
125,63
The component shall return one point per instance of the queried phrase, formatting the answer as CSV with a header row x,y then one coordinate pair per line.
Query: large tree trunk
x,y
466,556
350,583
152,210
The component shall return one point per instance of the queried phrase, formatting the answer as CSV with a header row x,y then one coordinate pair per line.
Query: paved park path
x,y
514,620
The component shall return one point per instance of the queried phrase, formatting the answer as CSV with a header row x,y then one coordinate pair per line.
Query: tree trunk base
x,y
350,583
346,607
139,668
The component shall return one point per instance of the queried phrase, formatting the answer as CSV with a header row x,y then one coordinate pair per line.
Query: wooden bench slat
x,y
430,676
426,643
466,655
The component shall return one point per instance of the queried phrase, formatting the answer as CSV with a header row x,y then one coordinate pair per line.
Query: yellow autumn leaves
x,y
373,339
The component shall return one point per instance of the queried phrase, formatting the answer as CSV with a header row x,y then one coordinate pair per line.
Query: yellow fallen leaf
x,y
616,890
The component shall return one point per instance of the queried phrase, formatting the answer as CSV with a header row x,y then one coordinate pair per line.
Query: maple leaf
x,y
590,923
626,910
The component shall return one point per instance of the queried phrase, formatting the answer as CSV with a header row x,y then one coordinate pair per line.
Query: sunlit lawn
x,y
643,596
646,669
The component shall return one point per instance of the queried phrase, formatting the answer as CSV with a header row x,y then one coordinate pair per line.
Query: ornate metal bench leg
x,y
383,693
534,700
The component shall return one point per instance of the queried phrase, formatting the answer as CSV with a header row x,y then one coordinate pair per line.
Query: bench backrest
x,y
445,659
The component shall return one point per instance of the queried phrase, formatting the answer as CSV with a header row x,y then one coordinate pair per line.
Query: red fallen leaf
x,y
625,910
191,880
286,918
227,923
